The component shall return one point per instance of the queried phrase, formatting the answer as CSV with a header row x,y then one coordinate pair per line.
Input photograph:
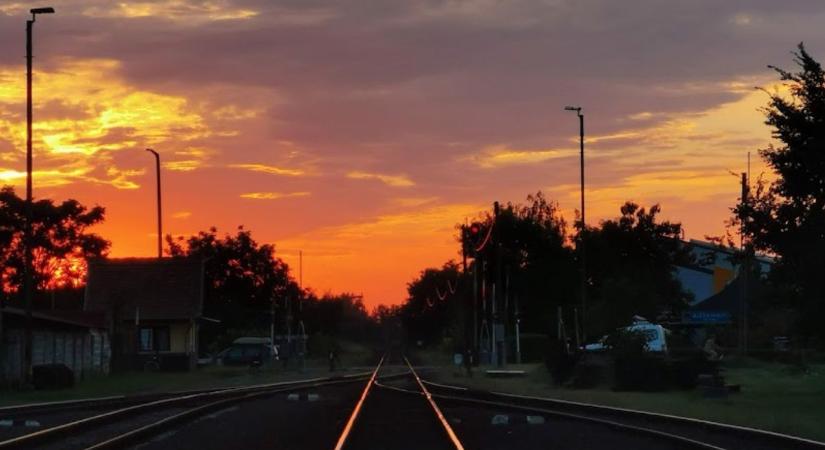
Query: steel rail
x,y
123,400
137,435
617,425
748,432
58,431
435,407
342,439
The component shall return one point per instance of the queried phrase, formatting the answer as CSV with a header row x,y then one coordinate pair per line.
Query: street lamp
x,y
583,260
160,222
27,231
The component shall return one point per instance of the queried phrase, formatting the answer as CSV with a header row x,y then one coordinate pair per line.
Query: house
x,y
75,339
714,269
152,307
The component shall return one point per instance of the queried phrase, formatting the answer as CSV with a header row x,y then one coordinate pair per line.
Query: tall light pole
x,y
27,231
582,253
160,220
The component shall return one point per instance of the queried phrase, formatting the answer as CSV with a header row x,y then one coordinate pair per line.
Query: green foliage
x,y
631,262
528,243
59,231
431,304
341,315
243,279
525,250
787,217
624,343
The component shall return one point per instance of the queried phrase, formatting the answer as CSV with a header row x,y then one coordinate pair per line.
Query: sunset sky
x,y
363,131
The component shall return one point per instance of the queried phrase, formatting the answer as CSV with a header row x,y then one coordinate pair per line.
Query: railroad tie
x,y
303,396
19,423
516,419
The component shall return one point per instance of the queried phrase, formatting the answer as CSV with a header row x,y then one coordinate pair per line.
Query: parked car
x,y
656,336
248,350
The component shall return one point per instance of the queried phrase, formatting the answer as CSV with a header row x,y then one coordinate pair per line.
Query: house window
x,y
154,339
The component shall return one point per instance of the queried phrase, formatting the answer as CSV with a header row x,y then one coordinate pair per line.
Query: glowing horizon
x,y
362,137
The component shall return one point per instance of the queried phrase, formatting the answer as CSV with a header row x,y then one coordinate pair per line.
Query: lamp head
x,y
573,108
46,10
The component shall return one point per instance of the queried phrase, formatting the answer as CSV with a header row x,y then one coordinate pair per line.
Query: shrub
x,y
560,363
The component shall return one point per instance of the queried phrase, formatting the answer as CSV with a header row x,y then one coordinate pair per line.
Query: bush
x,y
52,376
533,347
560,363
634,368
640,373
588,373
684,371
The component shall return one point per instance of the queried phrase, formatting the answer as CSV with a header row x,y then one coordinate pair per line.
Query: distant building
x,y
152,308
714,269
75,339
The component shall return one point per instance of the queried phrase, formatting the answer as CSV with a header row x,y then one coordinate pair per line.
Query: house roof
x,y
148,288
730,297
84,319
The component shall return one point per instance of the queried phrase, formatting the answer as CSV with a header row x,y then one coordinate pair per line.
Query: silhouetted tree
x,y
631,263
61,241
243,277
537,265
787,217
431,304
339,315
537,271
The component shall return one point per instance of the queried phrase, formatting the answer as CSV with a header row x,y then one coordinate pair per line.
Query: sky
x,y
361,132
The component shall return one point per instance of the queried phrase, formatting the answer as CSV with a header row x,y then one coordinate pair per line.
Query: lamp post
x,y
27,231
583,259
160,220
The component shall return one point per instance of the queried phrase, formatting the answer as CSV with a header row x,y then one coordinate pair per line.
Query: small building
x,y
75,339
152,307
713,270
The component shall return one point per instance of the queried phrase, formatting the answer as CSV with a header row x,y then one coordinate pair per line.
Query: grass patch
x,y
353,358
774,396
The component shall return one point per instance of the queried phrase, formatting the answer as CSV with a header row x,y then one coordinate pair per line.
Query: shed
x,y
152,307
76,339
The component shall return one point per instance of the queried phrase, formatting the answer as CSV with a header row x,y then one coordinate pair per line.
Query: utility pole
x,y
498,329
28,269
745,267
160,216
518,332
582,226
476,263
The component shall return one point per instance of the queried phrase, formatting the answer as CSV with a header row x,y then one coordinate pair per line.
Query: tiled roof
x,y
151,288
85,319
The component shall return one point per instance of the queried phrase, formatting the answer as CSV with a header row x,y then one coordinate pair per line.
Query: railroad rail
x,y
180,409
449,437
402,410
694,433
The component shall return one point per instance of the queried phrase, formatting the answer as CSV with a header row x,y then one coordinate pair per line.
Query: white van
x,y
656,337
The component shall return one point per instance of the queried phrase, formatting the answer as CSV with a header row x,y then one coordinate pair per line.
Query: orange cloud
x,y
274,170
389,180
178,10
103,114
273,195
501,155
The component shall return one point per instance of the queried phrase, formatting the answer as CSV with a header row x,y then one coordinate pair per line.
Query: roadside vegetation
x,y
354,358
521,265
775,396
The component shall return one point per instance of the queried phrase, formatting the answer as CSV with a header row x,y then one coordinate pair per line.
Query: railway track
x,y
684,432
382,419
126,421
394,408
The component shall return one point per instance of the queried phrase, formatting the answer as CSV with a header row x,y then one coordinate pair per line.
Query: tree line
x,y
528,250
248,286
